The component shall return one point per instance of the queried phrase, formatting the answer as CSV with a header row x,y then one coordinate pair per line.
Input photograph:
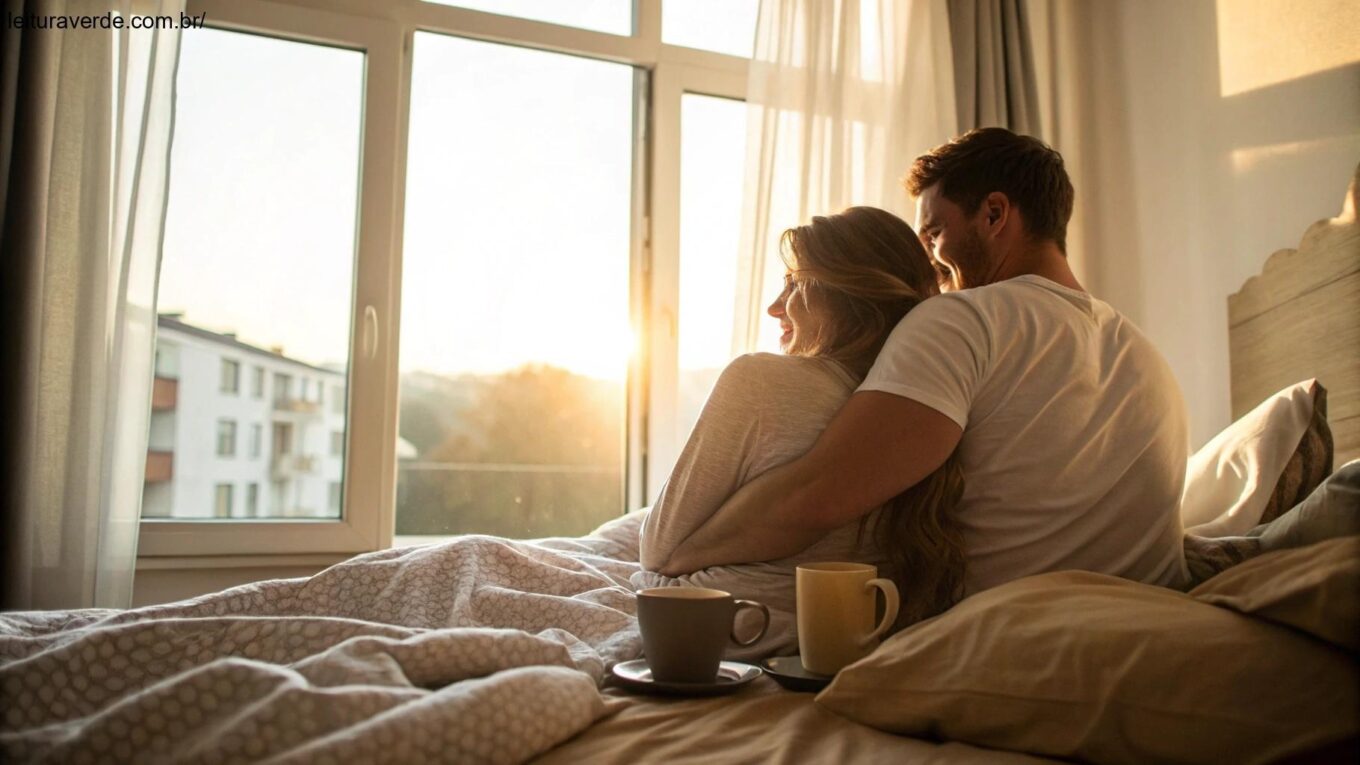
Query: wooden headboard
x,y
1300,318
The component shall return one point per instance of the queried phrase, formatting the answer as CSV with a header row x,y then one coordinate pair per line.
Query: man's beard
x,y
972,266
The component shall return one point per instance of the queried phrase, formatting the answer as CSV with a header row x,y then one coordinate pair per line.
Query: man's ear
x,y
996,209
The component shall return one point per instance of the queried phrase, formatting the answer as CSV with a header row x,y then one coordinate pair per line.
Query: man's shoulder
x,y
948,306
1028,291
984,302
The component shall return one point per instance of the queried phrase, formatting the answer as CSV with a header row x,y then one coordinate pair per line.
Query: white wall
x,y
1183,190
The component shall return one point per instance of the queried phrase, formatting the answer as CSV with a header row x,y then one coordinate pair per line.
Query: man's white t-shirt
x,y
1074,430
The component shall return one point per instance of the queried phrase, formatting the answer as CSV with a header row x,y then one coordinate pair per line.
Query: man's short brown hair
x,y
1022,167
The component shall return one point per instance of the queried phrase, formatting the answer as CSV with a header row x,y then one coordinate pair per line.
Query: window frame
x,y
370,475
664,332
385,33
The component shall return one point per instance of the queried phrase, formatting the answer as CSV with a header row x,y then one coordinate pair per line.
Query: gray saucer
x,y
789,672
637,676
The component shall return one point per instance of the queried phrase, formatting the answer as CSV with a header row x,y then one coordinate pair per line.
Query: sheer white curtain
x,y
86,149
842,96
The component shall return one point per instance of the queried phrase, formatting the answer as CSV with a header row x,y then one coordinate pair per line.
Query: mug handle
x,y
750,604
892,601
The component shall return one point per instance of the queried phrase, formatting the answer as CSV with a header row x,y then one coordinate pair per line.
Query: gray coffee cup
x,y
685,631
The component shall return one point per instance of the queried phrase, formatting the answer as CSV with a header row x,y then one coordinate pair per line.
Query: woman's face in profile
x,y
799,317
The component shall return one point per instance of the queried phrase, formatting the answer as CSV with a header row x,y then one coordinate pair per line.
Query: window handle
x,y
370,344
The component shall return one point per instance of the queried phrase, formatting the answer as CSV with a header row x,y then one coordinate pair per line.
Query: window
x,y
167,359
722,26
276,256
306,390
222,501
514,410
283,388
279,499
226,438
259,251
333,498
337,443
231,376
283,438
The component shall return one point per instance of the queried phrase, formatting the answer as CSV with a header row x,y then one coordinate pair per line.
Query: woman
x,y
851,277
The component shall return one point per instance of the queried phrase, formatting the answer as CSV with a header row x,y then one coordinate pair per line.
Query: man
x,y
1069,424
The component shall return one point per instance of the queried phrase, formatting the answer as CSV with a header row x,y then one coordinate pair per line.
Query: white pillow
x,y
1230,480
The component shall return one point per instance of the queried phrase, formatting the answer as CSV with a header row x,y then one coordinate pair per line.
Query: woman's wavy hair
x,y
861,271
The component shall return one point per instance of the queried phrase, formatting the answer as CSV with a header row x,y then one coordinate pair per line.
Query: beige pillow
x,y
1315,589
1088,666
1261,465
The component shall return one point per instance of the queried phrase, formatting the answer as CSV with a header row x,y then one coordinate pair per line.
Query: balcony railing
x,y
160,466
293,465
511,499
164,394
296,406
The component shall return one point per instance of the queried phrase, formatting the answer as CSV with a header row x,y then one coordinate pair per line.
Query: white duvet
x,y
479,649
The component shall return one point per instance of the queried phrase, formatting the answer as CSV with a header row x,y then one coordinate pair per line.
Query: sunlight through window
x,y
515,331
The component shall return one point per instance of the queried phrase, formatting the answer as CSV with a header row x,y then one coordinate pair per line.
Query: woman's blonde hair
x,y
862,270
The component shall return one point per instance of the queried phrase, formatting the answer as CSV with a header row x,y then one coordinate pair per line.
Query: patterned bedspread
x,y
479,649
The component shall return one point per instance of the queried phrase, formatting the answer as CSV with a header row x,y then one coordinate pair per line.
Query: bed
x,y
490,650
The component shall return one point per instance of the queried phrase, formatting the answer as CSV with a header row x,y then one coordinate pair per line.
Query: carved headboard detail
x,y
1300,318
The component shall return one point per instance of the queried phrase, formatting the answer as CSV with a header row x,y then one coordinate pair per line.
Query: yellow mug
x,y
835,609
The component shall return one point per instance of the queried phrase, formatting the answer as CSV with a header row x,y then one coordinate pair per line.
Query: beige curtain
x,y
85,126
842,95
994,71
